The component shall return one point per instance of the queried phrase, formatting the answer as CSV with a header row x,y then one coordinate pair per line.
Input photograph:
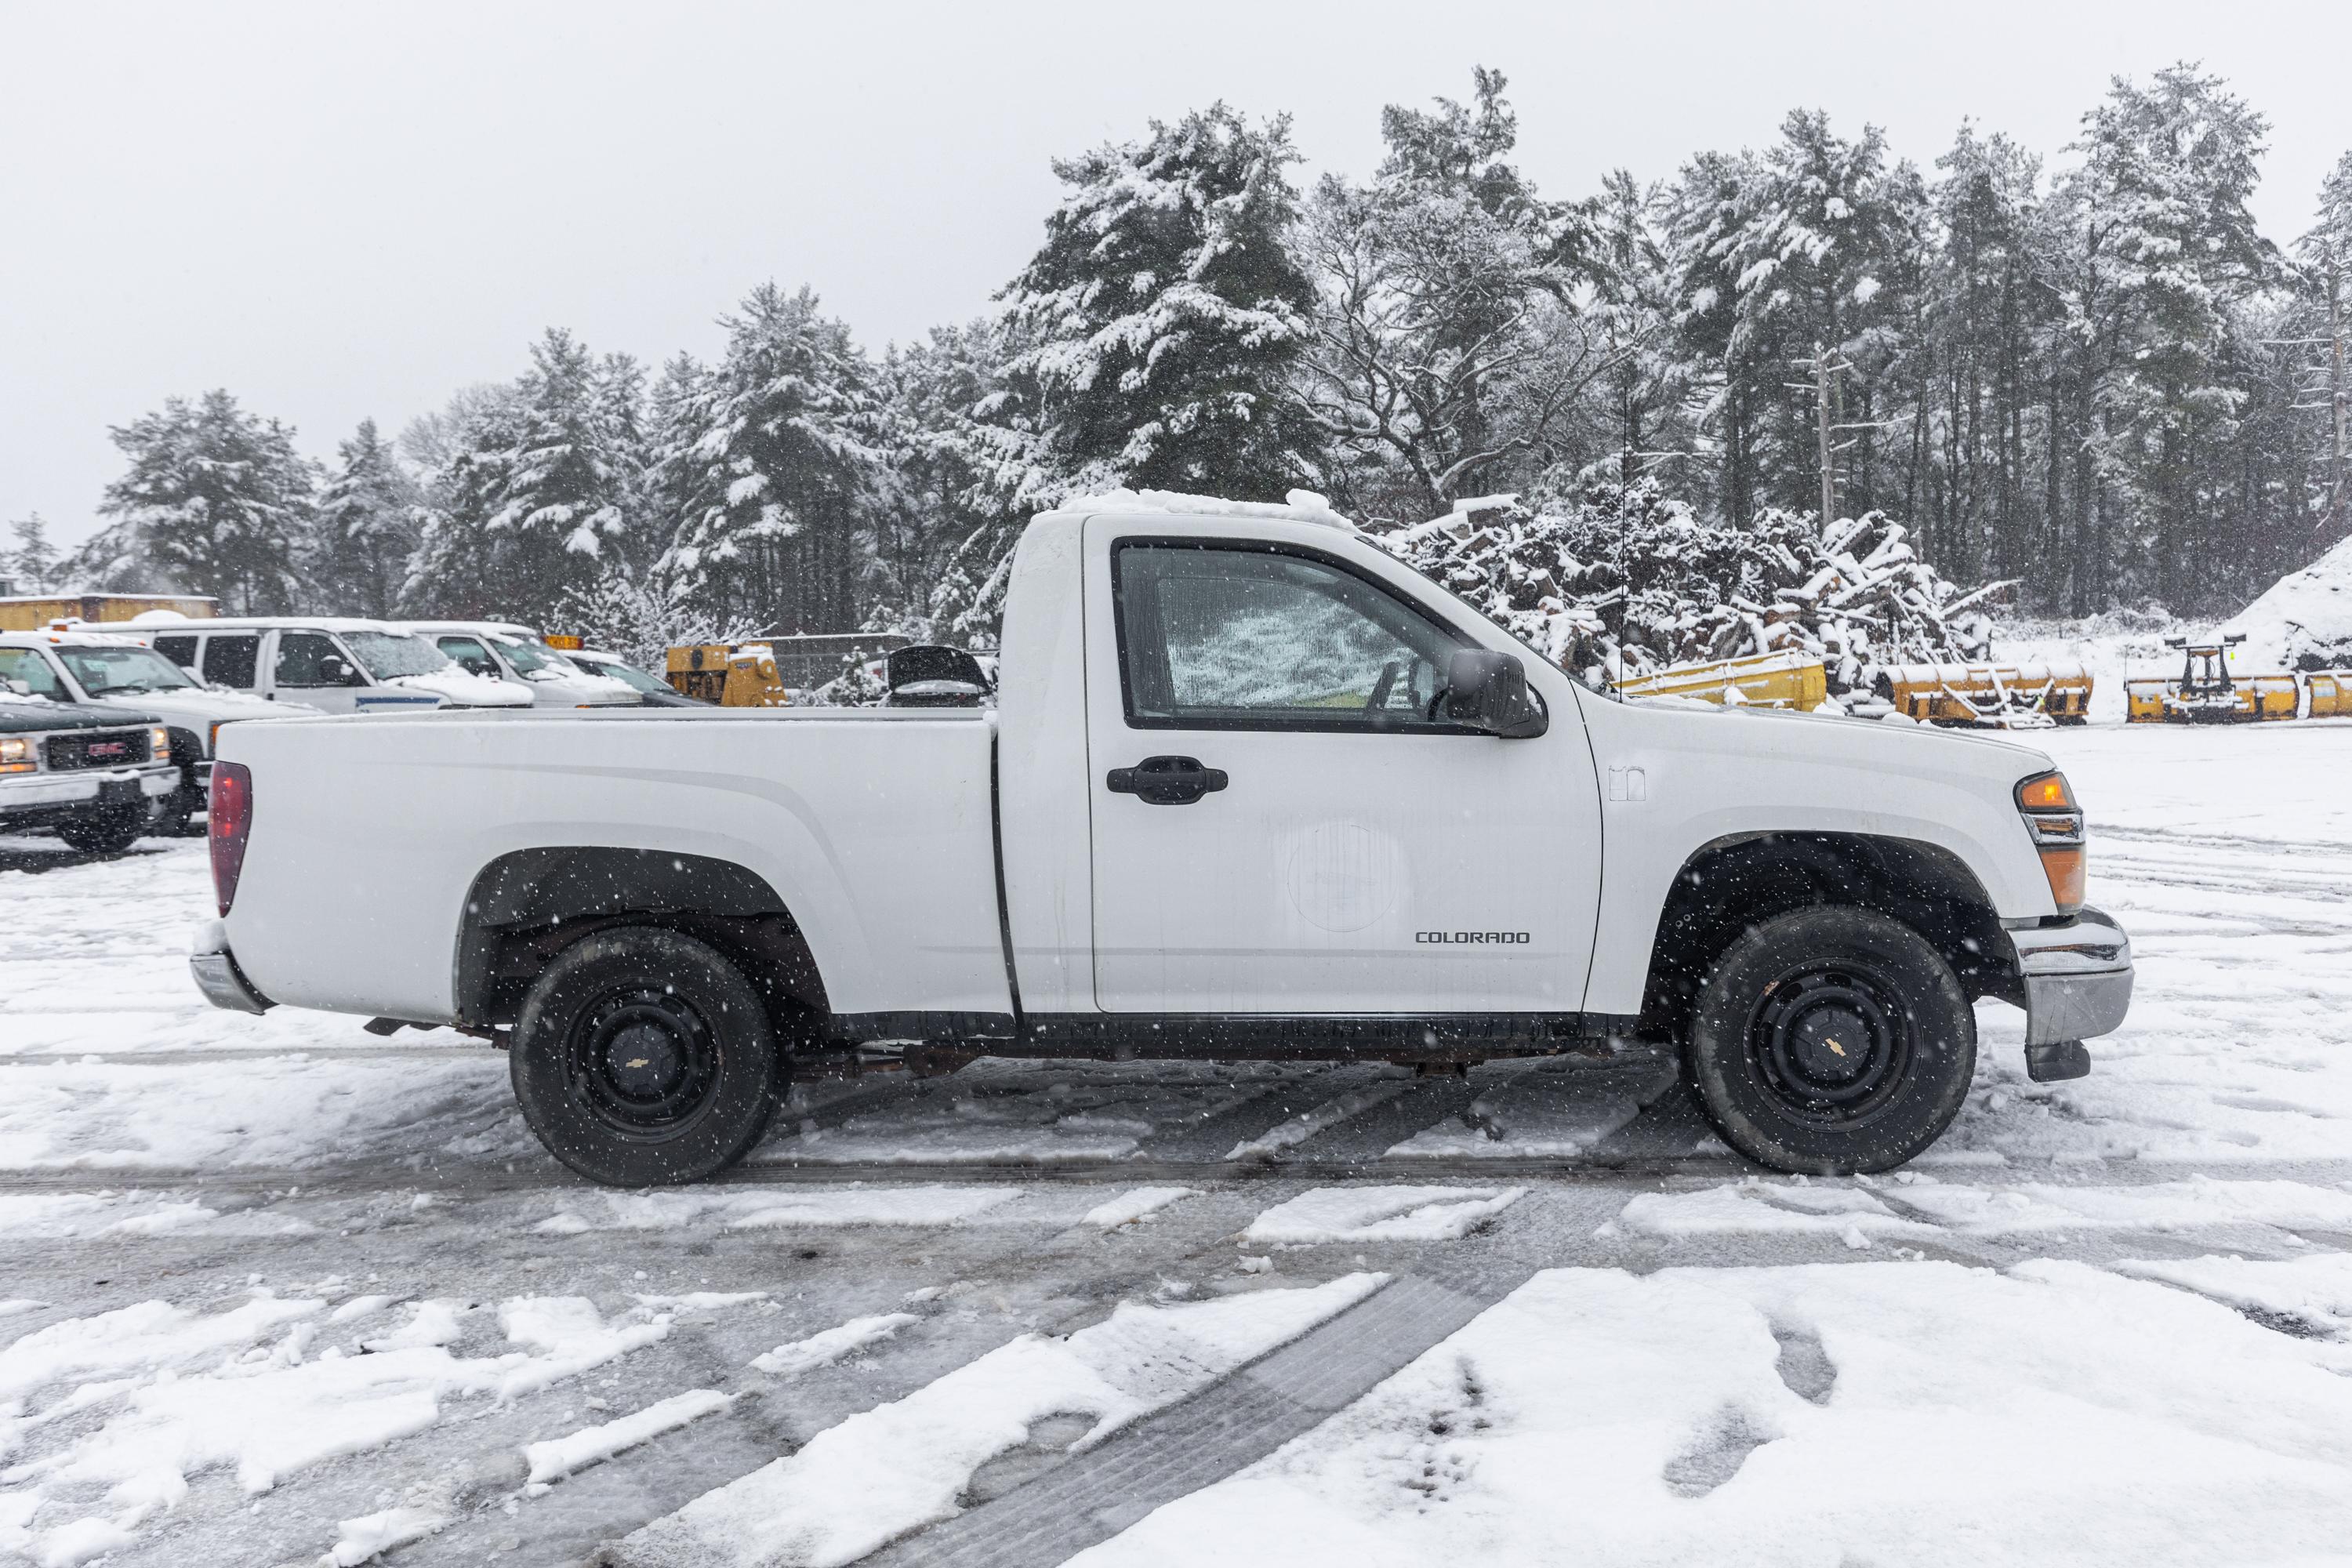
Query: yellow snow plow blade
x,y
2207,692
2331,693
733,675
1783,680
1989,696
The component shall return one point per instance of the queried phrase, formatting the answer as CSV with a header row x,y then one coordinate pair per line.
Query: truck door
x,y
311,670
1280,826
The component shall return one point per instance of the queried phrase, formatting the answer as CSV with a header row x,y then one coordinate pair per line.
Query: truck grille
x,y
96,749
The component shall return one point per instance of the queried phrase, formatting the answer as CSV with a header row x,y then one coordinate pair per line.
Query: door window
x,y
302,660
179,650
1226,637
470,655
232,661
26,665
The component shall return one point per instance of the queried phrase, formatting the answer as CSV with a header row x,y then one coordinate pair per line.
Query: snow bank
x,y
2302,621
1380,1214
1916,1413
878,1475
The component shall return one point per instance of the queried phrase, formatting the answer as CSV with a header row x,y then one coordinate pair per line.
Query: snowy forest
x,y
2086,371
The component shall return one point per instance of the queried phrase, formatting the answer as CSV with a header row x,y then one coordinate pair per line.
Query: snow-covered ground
x,y
279,1291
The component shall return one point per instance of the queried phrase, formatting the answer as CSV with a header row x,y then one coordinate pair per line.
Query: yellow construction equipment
x,y
2208,692
1988,696
732,674
1784,679
2331,693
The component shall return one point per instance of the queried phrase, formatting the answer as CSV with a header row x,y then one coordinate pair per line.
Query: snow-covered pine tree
x,y
459,569
2324,280
366,529
1160,321
1814,246
776,454
1445,341
2162,247
570,478
215,503
32,565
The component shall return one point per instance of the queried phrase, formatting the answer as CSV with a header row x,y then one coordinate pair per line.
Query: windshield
x,y
526,657
627,675
106,672
390,654
26,664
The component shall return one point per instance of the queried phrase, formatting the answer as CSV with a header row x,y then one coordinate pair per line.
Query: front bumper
x,y
215,973
2076,978
27,798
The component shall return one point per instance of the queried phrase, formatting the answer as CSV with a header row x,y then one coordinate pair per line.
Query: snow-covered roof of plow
x,y
1298,506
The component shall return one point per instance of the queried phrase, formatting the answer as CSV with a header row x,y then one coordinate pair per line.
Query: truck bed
x,y
369,835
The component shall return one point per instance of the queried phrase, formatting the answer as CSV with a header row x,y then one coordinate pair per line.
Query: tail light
x,y
2055,823
231,815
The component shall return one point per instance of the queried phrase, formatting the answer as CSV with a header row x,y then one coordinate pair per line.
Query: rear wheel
x,y
644,1058
1830,1040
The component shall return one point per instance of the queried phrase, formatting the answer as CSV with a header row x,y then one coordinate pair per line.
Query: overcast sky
x,y
339,210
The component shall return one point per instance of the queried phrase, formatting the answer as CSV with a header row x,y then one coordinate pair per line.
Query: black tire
x,y
105,833
643,1058
1830,1040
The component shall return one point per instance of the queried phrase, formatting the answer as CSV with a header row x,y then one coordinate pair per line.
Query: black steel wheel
x,y
105,832
644,1058
1830,1040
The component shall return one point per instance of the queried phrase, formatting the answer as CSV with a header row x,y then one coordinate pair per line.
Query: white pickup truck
x,y
1252,788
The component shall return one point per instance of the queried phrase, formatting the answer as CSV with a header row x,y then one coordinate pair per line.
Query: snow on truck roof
x,y
1298,506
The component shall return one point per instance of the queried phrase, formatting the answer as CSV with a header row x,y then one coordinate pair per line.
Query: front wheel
x,y
1830,1040
104,833
644,1058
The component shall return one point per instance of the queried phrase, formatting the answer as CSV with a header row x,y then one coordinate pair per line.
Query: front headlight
x,y
2056,825
159,744
17,756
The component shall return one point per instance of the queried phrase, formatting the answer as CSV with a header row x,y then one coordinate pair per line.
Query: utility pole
x,y
2335,487
1821,422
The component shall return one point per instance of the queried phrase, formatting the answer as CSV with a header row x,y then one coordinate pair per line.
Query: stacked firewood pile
x,y
1622,581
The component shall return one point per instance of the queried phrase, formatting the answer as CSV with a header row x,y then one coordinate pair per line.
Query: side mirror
x,y
15,688
334,671
1487,691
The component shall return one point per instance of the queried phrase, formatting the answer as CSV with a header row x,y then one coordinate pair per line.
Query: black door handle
x,y
1166,781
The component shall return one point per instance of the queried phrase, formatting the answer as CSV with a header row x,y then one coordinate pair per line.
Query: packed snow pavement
x,y
280,1291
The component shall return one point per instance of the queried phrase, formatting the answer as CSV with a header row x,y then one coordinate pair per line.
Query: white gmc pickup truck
x,y
1252,788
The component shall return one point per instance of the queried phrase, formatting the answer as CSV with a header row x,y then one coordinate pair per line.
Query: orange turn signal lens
x,y
2065,867
2045,792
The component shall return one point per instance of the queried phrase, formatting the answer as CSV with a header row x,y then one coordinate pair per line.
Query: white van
x,y
332,663
499,650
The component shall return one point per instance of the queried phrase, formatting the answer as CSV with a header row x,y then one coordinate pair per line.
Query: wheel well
x,y
1734,884
525,907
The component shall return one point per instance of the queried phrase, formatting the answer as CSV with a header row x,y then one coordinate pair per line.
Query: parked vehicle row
x,y
191,677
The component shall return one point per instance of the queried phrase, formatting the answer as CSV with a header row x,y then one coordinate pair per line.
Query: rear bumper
x,y
2076,978
214,971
